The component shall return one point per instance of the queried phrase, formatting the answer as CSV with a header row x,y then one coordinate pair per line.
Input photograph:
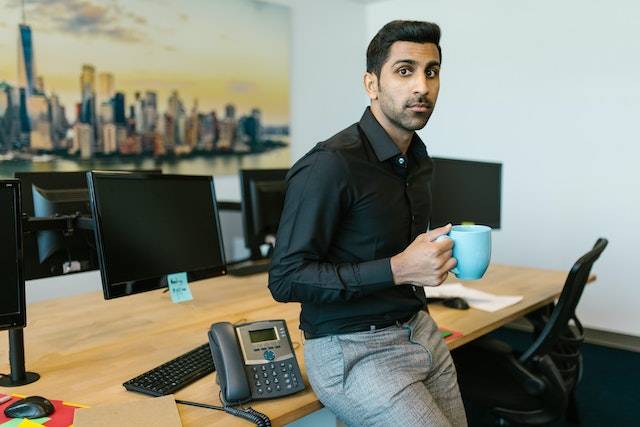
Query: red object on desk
x,y
449,335
61,417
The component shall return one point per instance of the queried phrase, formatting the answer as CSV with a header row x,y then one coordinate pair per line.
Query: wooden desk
x,y
85,347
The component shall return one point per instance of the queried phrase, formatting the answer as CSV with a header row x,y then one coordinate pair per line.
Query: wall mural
x,y
192,87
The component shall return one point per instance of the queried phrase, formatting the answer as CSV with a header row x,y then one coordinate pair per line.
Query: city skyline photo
x,y
89,78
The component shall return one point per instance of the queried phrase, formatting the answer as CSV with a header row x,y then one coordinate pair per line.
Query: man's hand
x,y
424,262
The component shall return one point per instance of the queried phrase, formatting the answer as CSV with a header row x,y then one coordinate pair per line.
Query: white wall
x,y
327,63
552,90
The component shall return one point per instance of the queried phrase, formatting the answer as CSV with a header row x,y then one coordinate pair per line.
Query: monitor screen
x,y
466,192
263,192
149,226
12,300
52,252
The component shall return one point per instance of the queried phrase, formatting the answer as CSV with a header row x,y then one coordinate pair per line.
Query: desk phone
x,y
254,361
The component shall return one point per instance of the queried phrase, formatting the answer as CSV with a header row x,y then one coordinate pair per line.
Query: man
x,y
352,248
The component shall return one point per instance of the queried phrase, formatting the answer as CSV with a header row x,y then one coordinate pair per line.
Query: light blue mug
x,y
472,250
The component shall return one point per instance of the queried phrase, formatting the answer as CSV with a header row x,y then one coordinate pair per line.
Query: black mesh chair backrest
x,y
557,338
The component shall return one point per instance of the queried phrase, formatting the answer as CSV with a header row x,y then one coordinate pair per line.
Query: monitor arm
x,y
65,223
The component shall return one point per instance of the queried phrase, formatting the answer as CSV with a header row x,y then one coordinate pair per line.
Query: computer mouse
x,y
457,303
30,407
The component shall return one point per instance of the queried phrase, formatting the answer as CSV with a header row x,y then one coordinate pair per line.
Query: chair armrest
x,y
493,345
533,384
551,372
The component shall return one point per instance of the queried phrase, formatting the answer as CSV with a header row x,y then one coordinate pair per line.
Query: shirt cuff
x,y
375,275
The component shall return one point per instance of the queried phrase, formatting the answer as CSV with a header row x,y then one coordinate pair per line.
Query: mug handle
x,y
454,270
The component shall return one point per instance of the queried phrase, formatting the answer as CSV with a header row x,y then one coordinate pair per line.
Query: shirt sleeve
x,y
318,196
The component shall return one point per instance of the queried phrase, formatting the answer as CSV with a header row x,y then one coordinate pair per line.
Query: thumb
x,y
437,232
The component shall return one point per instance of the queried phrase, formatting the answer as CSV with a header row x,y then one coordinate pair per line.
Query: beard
x,y
402,116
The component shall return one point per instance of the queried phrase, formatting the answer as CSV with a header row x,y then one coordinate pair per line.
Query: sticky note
x,y
179,287
24,422
38,422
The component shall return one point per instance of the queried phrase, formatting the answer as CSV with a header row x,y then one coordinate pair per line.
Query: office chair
x,y
538,385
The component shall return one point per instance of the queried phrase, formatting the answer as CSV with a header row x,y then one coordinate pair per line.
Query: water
x,y
218,165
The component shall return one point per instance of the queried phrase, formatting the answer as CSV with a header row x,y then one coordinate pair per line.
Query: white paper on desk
x,y
475,298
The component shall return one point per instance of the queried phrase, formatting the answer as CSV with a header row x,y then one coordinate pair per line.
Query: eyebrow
x,y
431,63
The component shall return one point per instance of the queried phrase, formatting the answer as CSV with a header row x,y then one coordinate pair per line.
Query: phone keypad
x,y
276,378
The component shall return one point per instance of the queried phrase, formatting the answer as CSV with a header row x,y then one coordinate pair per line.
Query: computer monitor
x,y
466,192
12,292
149,226
263,192
54,252
12,300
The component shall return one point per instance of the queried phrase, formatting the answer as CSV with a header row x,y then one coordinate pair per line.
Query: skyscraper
x,y
9,116
105,87
87,81
26,60
138,108
118,102
89,107
40,116
59,124
40,85
230,111
151,110
175,127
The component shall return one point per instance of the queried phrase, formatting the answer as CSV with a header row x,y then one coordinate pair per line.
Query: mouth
x,y
419,107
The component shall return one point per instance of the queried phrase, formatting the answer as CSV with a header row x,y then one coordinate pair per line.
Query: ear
x,y
371,85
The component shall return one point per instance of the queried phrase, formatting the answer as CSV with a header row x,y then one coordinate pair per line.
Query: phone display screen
x,y
262,335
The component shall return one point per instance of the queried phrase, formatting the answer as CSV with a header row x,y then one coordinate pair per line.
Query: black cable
x,y
200,405
249,414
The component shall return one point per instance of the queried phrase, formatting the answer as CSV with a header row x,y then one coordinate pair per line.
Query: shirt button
x,y
413,217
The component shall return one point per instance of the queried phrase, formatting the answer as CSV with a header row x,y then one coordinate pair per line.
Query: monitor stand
x,y
18,375
247,268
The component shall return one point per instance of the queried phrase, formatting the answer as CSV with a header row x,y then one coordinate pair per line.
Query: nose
x,y
421,86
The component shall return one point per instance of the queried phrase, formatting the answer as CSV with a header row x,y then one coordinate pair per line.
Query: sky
x,y
217,51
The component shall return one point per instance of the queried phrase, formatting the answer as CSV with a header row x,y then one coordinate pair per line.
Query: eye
x,y
432,72
404,71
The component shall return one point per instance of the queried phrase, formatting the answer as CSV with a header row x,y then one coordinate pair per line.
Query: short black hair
x,y
395,31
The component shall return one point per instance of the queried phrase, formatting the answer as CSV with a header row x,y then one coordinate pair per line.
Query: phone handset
x,y
228,360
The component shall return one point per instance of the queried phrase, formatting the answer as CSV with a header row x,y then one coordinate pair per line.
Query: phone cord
x,y
249,414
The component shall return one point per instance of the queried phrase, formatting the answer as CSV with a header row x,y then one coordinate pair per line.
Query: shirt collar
x,y
382,144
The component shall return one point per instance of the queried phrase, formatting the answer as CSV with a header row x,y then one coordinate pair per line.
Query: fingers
x,y
443,245
437,282
447,263
451,263
442,260
443,277
437,232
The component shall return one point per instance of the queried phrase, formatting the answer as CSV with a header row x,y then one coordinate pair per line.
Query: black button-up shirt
x,y
352,203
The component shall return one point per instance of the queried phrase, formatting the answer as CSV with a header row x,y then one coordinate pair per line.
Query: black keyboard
x,y
248,268
175,374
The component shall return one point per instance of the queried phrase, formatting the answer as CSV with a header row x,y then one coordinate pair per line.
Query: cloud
x,y
87,18
138,19
184,17
240,87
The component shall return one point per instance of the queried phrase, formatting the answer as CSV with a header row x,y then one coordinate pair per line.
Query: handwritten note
x,y
179,287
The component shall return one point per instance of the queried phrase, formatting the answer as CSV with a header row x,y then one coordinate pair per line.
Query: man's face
x,y
408,85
